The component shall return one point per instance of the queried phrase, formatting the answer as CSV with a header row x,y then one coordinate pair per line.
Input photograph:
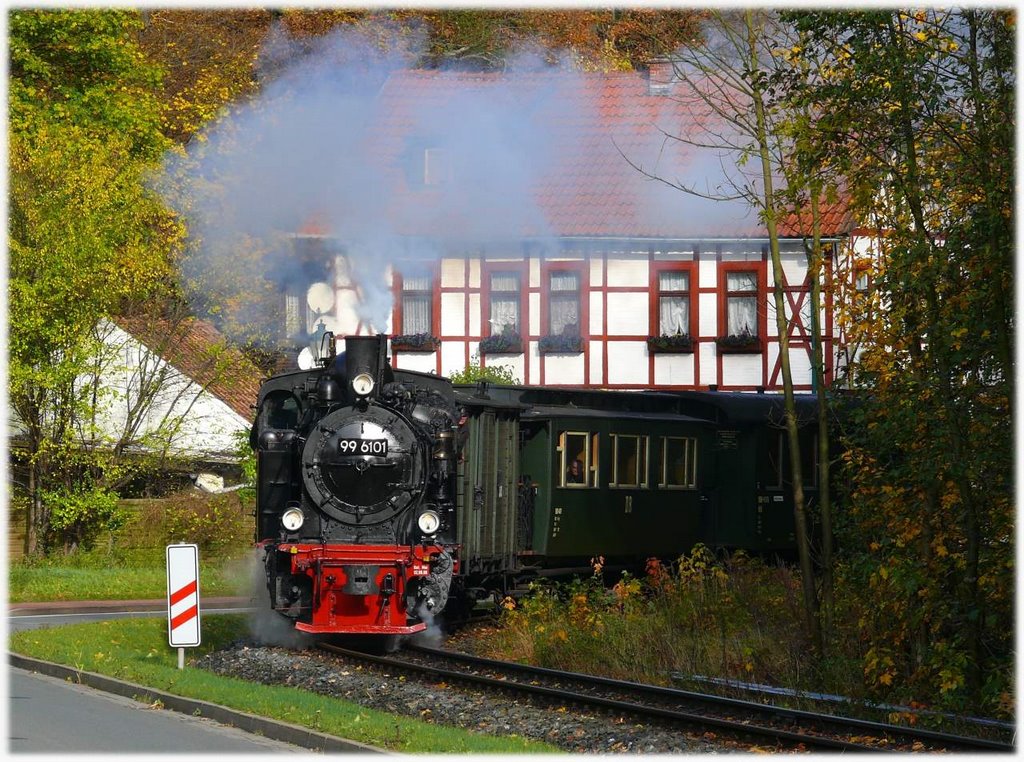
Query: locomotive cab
x,y
355,502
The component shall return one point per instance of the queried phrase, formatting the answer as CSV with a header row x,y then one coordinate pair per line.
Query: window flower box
x,y
414,342
744,343
508,342
679,343
561,344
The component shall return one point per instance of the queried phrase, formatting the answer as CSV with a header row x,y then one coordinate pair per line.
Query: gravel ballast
x,y
457,706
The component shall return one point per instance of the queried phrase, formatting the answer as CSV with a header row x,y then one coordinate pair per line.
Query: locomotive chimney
x,y
364,362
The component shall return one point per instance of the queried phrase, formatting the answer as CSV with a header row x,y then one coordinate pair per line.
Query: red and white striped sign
x,y
183,595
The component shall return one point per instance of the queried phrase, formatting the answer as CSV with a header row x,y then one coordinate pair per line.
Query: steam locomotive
x,y
387,496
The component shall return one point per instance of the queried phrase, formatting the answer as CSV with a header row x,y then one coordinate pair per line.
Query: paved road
x,y
50,715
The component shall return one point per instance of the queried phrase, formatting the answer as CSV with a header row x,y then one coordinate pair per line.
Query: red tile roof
x,y
592,126
199,351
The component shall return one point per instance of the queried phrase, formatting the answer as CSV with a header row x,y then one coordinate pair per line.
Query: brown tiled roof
x,y
587,186
199,351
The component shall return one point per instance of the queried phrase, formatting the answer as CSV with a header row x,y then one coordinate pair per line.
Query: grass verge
x,y
45,582
136,650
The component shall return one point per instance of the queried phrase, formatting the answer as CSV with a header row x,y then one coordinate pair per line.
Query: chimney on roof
x,y
662,76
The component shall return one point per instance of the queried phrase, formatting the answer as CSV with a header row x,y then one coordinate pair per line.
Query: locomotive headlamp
x,y
362,384
292,519
429,522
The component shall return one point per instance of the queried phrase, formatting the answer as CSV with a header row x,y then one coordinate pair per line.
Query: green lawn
x,y
45,582
136,650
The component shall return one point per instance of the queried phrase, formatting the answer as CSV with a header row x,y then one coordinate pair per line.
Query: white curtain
x,y
415,314
504,302
742,310
742,315
674,312
674,303
565,303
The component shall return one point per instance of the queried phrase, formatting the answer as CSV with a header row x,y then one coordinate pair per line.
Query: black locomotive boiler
x,y
356,493
387,496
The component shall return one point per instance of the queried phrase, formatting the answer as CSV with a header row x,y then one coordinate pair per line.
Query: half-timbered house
x,y
595,272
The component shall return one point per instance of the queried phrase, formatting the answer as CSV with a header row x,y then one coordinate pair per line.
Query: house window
x,y
629,460
417,304
578,459
678,462
673,303
504,303
564,303
741,303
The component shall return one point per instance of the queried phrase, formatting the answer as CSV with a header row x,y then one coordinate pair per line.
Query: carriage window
x,y
678,462
775,469
629,460
578,461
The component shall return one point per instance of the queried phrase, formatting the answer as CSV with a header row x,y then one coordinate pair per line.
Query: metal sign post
x,y
183,598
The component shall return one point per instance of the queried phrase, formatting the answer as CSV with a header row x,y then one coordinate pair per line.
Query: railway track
x,y
783,727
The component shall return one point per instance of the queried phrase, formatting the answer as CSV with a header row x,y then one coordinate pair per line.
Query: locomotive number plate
x,y
356,446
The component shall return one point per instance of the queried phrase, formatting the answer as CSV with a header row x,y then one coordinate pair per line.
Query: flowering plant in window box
x,y
677,343
562,343
508,342
414,342
740,342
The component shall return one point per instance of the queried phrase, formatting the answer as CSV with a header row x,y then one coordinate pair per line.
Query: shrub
x,y
78,515
219,524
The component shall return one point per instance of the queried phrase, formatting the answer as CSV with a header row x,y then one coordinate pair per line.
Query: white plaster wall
x,y
453,314
535,315
596,314
563,369
800,363
673,369
741,369
475,320
708,363
794,265
739,251
453,357
453,273
516,363
207,424
597,362
534,272
631,272
708,271
674,256
425,362
707,317
627,363
534,363
596,272
474,273
628,313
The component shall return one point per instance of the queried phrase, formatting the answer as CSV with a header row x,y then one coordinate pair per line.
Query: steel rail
x,y
838,723
566,696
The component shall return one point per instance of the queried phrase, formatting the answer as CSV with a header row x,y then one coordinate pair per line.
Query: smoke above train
x,y
300,152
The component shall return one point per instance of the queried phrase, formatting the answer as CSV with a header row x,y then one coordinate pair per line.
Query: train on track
x,y
386,497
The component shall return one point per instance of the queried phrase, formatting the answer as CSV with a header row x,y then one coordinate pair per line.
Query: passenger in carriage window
x,y
574,474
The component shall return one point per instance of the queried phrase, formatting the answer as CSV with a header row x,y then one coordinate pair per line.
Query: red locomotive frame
x,y
347,603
